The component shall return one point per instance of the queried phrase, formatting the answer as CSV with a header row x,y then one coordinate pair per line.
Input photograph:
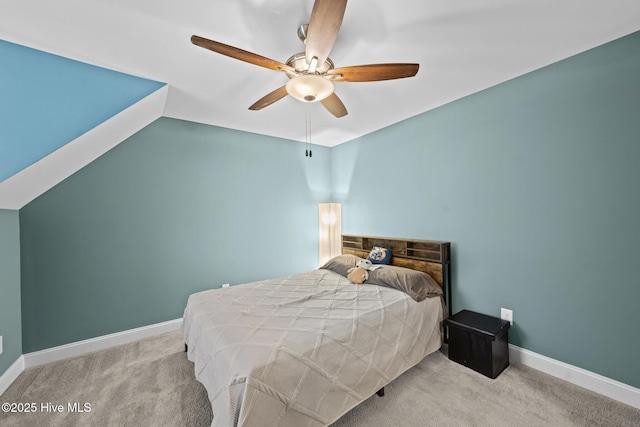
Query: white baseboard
x,y
99,343
578,376
11,374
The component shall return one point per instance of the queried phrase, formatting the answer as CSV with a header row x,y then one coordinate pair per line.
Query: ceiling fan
x,y
312,72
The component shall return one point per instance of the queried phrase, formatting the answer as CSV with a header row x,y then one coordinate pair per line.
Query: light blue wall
x,y
177,208
10,320
46,101
535,183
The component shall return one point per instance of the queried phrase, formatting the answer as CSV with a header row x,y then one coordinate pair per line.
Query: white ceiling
x,y
462,47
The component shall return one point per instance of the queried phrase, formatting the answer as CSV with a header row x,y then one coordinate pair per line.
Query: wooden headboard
x,y
429,256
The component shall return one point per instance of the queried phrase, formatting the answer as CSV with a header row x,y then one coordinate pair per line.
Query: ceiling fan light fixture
x,y
309,88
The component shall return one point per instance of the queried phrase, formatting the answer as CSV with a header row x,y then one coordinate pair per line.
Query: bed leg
x,y
185,348
380,392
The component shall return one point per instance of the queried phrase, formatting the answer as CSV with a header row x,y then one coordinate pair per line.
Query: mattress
x,y
303,350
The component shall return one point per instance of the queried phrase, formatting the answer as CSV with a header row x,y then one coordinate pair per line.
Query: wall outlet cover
x,y
506,314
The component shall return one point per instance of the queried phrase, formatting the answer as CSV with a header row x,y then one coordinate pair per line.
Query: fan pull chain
x,y
306,132
308,152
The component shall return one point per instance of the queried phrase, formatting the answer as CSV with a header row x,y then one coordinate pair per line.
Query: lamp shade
x,y
330,215
309,88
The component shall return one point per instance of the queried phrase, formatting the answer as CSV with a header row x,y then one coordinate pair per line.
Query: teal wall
x,y
10,319
177,208
535,183
66,98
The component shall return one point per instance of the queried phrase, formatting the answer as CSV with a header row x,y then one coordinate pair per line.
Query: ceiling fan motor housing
x,y
299,63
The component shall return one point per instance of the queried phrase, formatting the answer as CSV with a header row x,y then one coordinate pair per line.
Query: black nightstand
x,y
479,342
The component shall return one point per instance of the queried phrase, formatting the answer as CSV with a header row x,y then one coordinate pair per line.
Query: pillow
x,y
379,255
341,264
416,284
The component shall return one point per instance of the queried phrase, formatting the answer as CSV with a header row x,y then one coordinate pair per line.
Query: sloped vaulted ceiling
x,y
53,100
57,115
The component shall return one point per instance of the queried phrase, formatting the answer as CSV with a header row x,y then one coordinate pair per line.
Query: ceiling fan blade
x,y
324,25
242,55
334,105
269,99
373,72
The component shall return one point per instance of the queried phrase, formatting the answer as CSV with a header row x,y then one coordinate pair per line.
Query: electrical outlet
x,y
0,344
226,285
506,314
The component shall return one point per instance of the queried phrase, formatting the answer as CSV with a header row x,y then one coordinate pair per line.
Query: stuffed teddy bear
x,y
360,273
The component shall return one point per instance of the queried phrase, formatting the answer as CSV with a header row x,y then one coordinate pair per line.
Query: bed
x,y
303,350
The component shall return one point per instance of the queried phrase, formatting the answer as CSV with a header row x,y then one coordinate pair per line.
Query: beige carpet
x,y
151,383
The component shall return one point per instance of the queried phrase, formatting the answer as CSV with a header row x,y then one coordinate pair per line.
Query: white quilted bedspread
x,y
302,350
